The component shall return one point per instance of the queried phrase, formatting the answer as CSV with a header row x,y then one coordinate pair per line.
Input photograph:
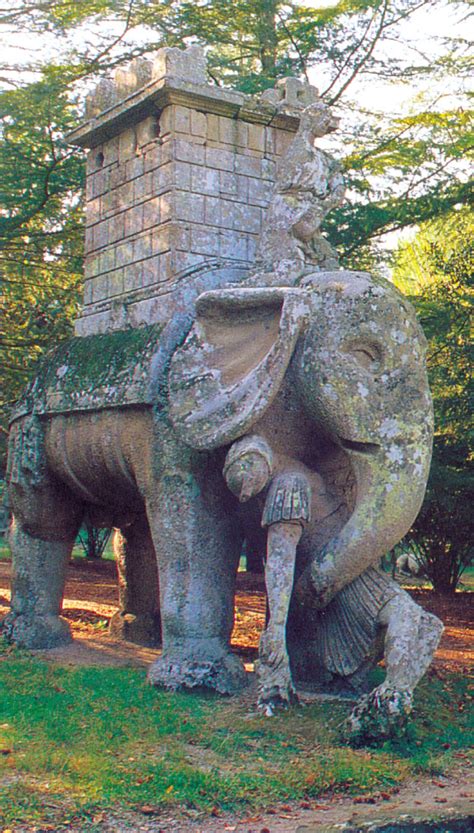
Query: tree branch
x,y
359,64
295,46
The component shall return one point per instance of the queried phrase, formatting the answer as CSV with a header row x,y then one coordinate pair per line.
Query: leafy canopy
x,y
436,271
40,228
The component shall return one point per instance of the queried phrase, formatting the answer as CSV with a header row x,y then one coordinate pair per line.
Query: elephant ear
x,y
233,362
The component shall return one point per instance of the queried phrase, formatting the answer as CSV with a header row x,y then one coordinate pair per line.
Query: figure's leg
x,y
39,572
273,669
138,619
411,638
198,546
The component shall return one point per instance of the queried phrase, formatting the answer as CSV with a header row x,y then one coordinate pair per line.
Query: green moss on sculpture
x,y
97,371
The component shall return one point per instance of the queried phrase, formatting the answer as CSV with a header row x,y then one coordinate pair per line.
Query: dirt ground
x,y
91,598
433,799
90,601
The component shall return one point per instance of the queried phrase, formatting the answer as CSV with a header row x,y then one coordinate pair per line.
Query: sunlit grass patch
x,y
79,740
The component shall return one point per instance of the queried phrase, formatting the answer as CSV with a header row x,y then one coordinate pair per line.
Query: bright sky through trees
x,y
420,40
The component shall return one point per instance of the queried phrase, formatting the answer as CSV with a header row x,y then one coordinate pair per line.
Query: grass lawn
x,y
75,741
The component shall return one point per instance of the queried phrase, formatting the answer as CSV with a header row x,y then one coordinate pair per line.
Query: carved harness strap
x,y
26,456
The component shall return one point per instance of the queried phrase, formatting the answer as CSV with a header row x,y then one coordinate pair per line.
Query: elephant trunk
x,y
391,483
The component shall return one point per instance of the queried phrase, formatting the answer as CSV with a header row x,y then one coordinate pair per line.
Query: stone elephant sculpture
x,y
410,564
331,374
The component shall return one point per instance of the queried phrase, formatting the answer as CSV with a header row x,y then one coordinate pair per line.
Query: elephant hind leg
x,y
411,638
39,572
138,619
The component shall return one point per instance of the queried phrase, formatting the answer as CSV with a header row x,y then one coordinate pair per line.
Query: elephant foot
x,y
378,716
142,630
46,631
224,674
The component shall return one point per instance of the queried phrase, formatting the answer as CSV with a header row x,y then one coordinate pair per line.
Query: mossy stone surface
x,y
93,372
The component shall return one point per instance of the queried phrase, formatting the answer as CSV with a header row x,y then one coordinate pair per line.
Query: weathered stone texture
x,y
314,377
185,184
322,391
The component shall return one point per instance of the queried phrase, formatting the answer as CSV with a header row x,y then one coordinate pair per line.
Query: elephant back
x,y
90,373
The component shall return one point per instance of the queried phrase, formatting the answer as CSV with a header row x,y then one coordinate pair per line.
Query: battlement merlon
x,y
176,76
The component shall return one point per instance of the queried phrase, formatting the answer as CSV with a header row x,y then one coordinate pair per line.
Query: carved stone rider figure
x,y
309,184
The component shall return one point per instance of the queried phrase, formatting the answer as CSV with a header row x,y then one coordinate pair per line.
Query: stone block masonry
x,y
179,175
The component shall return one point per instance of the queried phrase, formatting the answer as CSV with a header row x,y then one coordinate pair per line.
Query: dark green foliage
x,y
40,230
93,540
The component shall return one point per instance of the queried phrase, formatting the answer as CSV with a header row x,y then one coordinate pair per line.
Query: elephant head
x,y
350,353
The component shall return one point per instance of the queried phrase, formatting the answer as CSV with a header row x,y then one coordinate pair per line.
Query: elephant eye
x,y
367,354
365,357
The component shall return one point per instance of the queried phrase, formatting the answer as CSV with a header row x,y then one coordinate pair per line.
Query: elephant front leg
x,y
412,636
198,547
275,684
39,571
138,619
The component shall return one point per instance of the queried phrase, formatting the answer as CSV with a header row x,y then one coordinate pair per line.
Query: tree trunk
x,y
442,572
267,37
93,540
